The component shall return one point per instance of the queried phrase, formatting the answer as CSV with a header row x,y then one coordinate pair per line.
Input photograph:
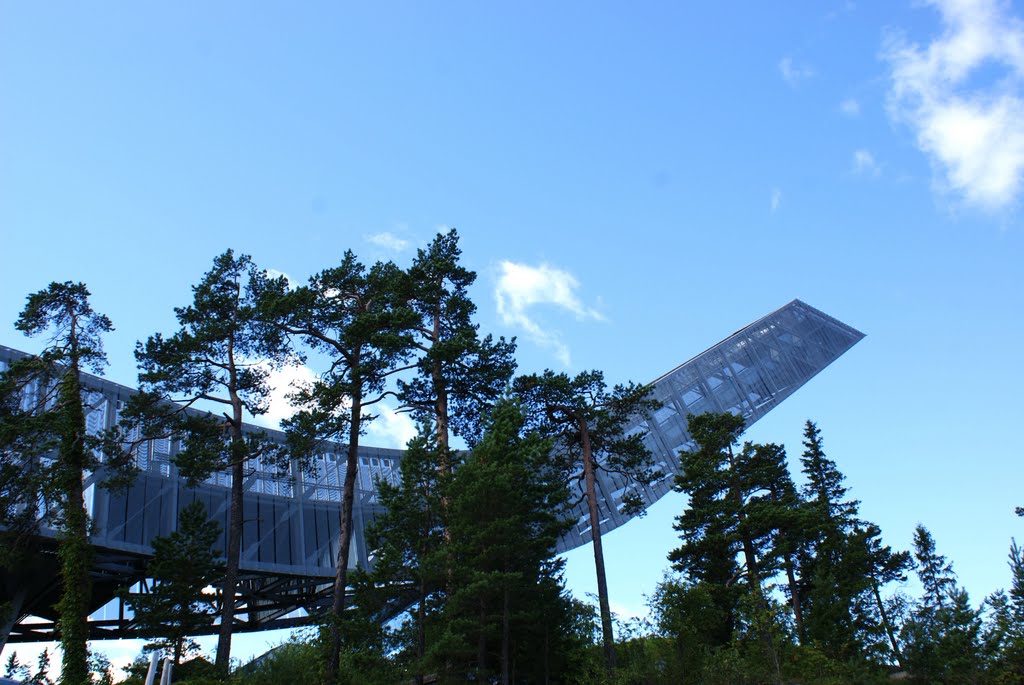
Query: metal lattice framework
x,y
291,532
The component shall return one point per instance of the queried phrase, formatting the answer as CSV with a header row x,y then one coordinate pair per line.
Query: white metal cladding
x,y
749,373
291,519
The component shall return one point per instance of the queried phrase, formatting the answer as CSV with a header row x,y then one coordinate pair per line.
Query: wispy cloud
x,y
275,274
283,382
388,241
776,199
864,163
850,107
521,288
794,73
390,429
961,95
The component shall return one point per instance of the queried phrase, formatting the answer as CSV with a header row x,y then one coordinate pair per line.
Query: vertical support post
x,y
165,674
151,673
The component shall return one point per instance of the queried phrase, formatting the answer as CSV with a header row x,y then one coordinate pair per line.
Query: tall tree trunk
x,y
73,546
794,593
888,626
481,643
341,569
440,398
506,638
607,636
421,631
764,634
234,551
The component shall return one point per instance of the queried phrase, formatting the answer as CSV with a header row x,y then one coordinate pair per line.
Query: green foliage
x,y
738,504
943,634
692,617
183,564
748,526
15,669
558,406
458,374
505,606
1004,631
222,354
292,662
843,566
407,540
586,421
357,318
55,419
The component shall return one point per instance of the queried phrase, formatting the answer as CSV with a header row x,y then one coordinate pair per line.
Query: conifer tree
x,y
459,375
844,564
221,356
406,540
942,637
729,511
586,420
25,436
788,514
883,566
51,385
354,316
183,564
1004,633
824,488
506,514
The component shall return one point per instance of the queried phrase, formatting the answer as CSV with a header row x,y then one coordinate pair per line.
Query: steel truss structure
x,y
291,534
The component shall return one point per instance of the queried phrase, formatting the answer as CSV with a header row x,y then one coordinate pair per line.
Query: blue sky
x,y
631,184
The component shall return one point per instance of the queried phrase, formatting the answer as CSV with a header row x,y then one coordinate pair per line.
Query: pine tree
x,y
937,577
731,511
707,556
356,318
221,355
183,565
786,512
843,564
824,488
826,557
1004,633
459,375
51,385
406,540
506,515
586,420
26,435
943,635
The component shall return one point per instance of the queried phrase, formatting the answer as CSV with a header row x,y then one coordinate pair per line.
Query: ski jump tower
x,y
290,539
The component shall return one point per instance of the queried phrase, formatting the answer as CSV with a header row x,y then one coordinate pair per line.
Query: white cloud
x,y
776,199
864,163
390,429
793,73
275,274
850,107
521,287
388,241
962,96
283,381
